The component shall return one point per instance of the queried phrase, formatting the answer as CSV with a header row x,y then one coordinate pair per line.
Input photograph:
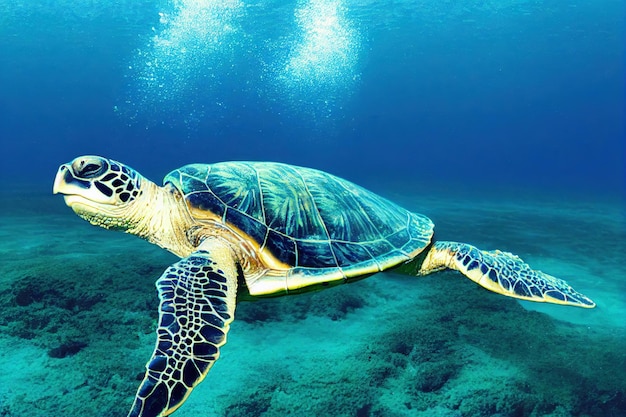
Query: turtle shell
x,y
315,226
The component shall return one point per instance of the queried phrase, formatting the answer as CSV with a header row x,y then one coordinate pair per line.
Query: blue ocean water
x,y
501,120
513,93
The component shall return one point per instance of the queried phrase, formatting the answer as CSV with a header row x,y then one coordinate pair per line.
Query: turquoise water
x,y
80,310
503,121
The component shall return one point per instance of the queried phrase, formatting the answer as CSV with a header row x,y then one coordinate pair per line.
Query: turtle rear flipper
x,y
197,305
503,273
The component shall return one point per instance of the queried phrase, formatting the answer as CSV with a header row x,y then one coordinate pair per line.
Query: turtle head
x,y
100,190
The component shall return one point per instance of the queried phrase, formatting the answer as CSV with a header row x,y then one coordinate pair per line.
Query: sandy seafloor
x,y
79,307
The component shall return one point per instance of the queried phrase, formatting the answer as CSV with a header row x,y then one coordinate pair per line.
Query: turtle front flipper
x,y
197,297
503,273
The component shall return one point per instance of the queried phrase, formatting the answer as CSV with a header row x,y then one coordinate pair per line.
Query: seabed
x,y
79,308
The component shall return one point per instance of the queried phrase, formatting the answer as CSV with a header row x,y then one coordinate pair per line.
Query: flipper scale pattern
x,y
194,317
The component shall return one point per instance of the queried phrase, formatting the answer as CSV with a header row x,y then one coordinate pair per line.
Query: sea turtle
x,y
253,229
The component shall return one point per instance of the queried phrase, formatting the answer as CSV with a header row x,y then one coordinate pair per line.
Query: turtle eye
x,y
89,167
90,171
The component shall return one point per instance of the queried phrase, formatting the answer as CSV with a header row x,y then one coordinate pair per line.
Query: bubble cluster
x,y
325,53
182,56
319,69
201,58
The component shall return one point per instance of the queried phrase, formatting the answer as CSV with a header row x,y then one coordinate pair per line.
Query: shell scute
x,y
399,239
282,247
315,254
193,185
255,229
237,187
350,253
340,214
206,202
289,207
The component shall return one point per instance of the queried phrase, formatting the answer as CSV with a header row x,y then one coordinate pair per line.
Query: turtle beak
x,y
72,188
60,182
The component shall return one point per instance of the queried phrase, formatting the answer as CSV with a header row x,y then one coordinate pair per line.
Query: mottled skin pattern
x,y
275,229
